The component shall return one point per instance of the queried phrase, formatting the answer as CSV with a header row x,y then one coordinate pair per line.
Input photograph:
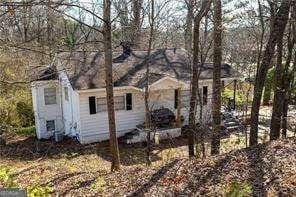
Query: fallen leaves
x,y
76,170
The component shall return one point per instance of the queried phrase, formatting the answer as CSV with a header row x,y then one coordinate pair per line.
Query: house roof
x,y
86,69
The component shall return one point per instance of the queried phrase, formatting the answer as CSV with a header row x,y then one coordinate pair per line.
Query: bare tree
x,y
146,97
288,74
277,31
217,56
137,8
109,85
188,26
278,95
206,4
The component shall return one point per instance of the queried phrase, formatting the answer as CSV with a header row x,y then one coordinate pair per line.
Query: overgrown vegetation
x,y
16,110
240,98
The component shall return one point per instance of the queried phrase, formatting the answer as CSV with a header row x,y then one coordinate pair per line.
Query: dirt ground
x,y
71,169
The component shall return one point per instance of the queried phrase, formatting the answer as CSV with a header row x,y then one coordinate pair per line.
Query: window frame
x,y
47,96
123,100
46,125
123,108
98,110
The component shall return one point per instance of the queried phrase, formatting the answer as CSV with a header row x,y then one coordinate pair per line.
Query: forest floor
x,y
71,169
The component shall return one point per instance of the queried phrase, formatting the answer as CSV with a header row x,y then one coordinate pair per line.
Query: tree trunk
x,y
277,31
278,94
194,79
109,86
188,28
194,89
147,110
137,7
287,76
216,101
124,20
289,82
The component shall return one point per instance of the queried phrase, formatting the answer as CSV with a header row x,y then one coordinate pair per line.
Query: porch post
x,y
234,93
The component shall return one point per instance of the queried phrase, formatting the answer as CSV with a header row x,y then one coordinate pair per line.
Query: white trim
x,y
104,89
168,78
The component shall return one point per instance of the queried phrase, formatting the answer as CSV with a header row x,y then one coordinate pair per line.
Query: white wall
x,y
73,116
166,98
44,112
69,107
94,127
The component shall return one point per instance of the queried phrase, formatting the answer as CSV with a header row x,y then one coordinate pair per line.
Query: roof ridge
x,y
138,66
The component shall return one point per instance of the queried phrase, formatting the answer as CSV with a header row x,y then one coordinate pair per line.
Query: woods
x,y
127,84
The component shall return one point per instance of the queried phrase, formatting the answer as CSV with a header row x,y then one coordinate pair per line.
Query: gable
x,y
167,83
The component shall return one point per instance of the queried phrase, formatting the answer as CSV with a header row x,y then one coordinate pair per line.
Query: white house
x,y
70,96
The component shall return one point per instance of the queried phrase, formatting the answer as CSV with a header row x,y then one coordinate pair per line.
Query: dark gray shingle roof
x,y
86,70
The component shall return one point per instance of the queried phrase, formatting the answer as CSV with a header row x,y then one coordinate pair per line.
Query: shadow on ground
x,y
28,149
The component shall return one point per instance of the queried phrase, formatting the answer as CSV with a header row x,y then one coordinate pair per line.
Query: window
x,y
50,96
101,104
92,105
185,98
119,103
66,93
129,101
50,125
176,98
204,95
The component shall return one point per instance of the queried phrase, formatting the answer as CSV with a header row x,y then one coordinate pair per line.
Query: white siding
x,y
166,98
69,107
73,116
46,112
94,127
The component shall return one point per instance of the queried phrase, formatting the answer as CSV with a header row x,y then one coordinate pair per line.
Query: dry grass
x,y
69,168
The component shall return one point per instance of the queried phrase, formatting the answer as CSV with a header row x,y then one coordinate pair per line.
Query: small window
x,y
50,125
119,103
50,96
66,93
204,95
129,101
101,104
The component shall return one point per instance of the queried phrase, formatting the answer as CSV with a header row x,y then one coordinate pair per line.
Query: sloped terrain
x,y
74,170
268,169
